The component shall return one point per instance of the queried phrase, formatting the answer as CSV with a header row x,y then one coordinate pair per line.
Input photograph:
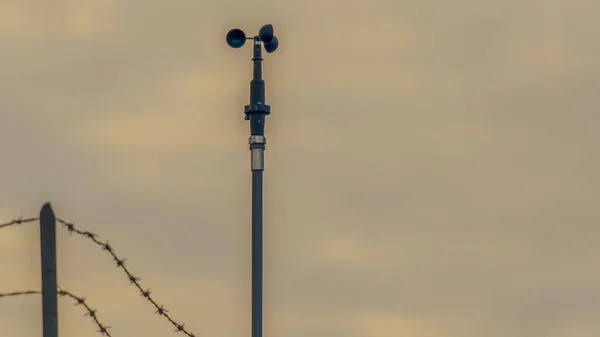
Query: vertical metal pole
x,y
256,112
257,148
257,282
49,288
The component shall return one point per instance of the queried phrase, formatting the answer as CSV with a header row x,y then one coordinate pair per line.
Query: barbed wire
x,y
160,310
18,293
102,329
18,221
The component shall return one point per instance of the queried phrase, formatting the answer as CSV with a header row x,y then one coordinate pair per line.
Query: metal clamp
x,y
257,140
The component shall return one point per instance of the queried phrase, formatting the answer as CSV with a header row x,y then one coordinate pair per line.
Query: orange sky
x,y
431,166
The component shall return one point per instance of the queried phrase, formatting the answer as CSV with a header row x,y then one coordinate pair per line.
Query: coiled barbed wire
x,y
102,329
160,310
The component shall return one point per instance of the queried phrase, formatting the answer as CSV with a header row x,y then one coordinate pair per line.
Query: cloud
x,y
341,251
386,325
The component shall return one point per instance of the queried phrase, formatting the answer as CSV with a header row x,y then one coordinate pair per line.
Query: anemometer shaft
x,y
256,112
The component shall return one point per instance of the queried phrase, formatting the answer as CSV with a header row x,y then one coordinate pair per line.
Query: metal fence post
x,y
49,287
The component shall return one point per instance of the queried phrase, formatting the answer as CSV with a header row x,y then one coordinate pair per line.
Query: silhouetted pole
x,y
49,288
256,112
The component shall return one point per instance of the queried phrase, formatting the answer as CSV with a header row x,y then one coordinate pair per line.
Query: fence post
x,y
49,287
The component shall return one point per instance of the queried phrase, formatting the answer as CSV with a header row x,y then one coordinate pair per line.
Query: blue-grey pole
x,y
256,112
49,287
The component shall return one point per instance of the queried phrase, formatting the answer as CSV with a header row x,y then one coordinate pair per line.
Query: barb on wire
x,y
18,221
160,310
102,329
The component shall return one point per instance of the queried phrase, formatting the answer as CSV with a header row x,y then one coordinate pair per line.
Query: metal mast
x,y
256,112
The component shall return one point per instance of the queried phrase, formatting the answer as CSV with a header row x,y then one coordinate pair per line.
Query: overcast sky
x,y
431,167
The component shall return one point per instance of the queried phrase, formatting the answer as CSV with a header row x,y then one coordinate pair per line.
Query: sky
x,y
431,166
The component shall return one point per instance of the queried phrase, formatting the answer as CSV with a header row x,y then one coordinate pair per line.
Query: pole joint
x,y
257,152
